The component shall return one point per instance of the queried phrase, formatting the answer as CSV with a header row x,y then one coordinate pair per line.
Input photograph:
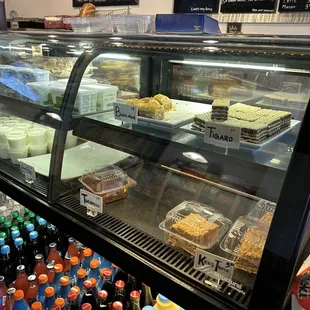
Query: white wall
x,y
41,8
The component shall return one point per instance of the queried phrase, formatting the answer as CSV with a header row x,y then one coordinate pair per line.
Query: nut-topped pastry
x,y
165,101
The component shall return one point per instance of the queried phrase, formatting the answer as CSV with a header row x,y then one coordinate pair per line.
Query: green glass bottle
x,y
15,215
32,218
7,227
26,214
3,235
14,228
2,220
20,225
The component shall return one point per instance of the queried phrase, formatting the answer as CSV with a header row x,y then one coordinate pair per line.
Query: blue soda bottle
x,y
74,269
49,298
58,268
64,288
81,278
94,270
20,303
43,284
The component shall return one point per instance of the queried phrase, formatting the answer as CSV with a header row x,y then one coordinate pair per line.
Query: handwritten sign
x,y
196,6
210,264
91,201
28,171
294,6
234,27
222,135
248,6
126,113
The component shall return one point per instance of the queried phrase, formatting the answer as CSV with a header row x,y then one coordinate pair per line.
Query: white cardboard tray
x,y
77,159
244,144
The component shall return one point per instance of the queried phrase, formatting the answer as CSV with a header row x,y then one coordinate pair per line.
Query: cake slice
x,y
220,109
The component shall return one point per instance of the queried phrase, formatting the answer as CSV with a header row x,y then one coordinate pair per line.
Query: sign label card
x,y
196,6
222,135
91,201
234,27
28,171
294,6
126,113
248,6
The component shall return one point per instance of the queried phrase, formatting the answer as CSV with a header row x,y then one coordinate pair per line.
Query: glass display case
x,y
195,147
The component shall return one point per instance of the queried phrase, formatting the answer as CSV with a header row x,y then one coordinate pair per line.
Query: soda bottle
x,y
32,218
8,270
40,267
72,249
36,306
81,273
67,264
50,273
117,305
20,225
21,258
130,287
43,284
120,292
64,287
114,268
73,271
94,269
19,301
134,301
101,279
7,230
107,284
26,214
58,268
33,248
55,307
88,296
86,306
32,291
9,302
98,257
3,290
94,285
77,291
44,238
2,220
146,297
120,275
103,300
87,259
60,302
49,298
21,282
72,301
53,256
15,215
14,234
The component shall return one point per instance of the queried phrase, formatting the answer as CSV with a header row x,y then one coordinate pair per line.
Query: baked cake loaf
x,y
251,250
194,228
220,109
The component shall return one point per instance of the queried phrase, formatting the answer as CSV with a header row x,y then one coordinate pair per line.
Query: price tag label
x,y
126,113
28,171
210,264
91,201
222,135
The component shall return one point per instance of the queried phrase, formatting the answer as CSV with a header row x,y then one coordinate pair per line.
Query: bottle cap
x,y
117,305
148,308
50,266
58,268
72,296
52,245
2,219
31,214
71,240
163,299
94,263
87,252
38,257
93,281
86,306
7,224
26,210
120,284
76,290
53,227
43,278
60,302
67,256
18,241
2,235
55,307
64,280
33,235
27,223
32,278
5,249
36,306
134,295
81,273
87,284
15,214
20,219
30,227
14,228
15,234
42,221
20,268
49,291
74,260
11,291
103,294
106,272
18,295
2,241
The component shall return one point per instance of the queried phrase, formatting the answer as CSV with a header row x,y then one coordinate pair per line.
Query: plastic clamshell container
x,y
109,182
133,24
245,241
260,209
90,24
206,237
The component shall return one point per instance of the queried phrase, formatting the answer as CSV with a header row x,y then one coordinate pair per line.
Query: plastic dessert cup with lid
x,y
15,155
193,225
17,140
11,123
37,137
37,150
4,152
23,126
4,130
50,133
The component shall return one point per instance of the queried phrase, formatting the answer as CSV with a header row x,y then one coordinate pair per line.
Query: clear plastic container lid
x,y
263,212
104,180
192,224
246,241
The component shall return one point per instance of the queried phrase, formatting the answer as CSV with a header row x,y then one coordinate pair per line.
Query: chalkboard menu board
x,y
294,6
196,6
79,3
248,6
